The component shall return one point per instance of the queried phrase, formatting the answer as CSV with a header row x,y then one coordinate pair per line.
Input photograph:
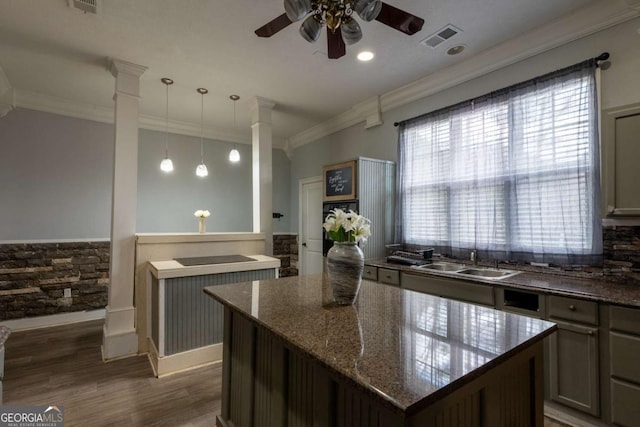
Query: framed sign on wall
x,y
340,181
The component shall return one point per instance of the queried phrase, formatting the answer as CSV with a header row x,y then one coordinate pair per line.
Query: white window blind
x,y
514,174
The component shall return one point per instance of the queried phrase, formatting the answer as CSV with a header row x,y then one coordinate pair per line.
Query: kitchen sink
x,y
441,266
461,270
487,273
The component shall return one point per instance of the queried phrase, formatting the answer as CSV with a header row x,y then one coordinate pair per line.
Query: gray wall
x,y
55,177
619,87
55,181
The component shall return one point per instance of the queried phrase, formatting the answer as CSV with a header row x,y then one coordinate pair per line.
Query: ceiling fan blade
x,y
399,19
335,44
273,26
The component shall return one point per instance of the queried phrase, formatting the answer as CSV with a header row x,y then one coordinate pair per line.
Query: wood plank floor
x,y
63,366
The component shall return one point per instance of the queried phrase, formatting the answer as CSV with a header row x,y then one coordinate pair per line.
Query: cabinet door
x,y
620,166
573,367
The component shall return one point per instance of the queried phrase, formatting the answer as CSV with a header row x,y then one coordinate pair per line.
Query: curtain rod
x,y
602,57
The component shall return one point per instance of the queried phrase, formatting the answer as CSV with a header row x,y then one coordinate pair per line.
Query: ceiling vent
x,y
86,6
441,36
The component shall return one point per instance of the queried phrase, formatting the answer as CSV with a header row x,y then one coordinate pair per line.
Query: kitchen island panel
x,y
428,358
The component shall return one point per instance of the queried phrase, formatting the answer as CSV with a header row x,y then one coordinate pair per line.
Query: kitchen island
x,y
395,358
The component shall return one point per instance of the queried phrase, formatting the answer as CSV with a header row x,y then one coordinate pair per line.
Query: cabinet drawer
x,y
573,309
624,319
370,273
390,277
624,356
625,410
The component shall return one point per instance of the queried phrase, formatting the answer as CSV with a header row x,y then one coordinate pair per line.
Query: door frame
x,y
301,237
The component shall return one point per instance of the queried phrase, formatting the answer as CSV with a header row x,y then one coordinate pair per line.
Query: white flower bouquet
x,y
347,226
202,214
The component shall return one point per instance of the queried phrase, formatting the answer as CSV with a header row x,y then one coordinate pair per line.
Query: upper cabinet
x,y
621,156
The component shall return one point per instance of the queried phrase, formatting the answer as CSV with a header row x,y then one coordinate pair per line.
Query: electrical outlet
x,y
67,292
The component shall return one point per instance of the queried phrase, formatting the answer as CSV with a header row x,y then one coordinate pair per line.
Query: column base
x,y
120,338
119,345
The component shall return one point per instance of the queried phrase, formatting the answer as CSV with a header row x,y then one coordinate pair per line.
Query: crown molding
x,y
98,113
585,21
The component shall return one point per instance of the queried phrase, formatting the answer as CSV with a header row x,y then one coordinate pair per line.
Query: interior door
x,y
311,260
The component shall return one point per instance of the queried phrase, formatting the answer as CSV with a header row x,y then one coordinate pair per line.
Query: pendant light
x,y
234,155
166,165
201,169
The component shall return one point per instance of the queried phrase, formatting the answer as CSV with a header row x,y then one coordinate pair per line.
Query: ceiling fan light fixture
x,y
351,32
368,10
310,29
297,9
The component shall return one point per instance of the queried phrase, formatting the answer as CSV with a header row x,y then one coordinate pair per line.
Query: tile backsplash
x,y
621,246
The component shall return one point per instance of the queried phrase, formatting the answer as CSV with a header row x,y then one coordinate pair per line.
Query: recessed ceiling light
x,y
365,55
455,50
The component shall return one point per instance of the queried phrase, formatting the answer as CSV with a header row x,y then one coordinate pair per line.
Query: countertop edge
x,y
550,280
169,269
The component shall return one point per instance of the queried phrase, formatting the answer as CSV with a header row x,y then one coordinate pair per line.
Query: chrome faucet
x,y
474,257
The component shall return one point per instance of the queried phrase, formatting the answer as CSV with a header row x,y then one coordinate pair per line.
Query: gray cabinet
x,y
621,150
574,372
624,351
573,367
388,276
449,288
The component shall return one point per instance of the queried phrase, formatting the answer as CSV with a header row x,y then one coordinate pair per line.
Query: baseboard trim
x,y
167,365
27,323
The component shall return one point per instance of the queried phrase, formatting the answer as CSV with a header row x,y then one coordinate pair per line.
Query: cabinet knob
x,y
590,332
572,307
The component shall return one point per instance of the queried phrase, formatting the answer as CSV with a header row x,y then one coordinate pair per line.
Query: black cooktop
x,y
206,260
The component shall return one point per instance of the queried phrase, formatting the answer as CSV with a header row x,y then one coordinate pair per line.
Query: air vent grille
x,y
86,6
441,36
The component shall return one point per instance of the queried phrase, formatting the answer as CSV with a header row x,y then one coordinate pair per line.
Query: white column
x,y
262,170
120,338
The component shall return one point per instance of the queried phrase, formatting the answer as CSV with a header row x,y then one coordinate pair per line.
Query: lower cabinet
x,y
573,367
575,359
449,288
624,352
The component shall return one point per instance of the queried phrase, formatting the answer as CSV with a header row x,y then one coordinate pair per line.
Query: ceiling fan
x,y
338,16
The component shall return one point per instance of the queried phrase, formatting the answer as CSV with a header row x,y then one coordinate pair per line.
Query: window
x,y
514,174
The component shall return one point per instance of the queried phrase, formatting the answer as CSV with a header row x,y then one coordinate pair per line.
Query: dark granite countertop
x,y
597,289
405,348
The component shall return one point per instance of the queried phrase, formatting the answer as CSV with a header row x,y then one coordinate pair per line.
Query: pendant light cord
x,y
166,127
201,128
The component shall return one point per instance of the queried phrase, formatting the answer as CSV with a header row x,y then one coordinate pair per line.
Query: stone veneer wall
x,y
285,248
621,246
33,277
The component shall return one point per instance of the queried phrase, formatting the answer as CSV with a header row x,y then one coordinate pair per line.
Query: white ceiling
x,y
52,50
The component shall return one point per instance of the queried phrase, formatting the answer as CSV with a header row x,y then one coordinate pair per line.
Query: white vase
x,y
202,226
345,264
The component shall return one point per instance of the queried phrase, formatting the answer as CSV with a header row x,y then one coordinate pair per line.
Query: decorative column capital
x,y
117,66
261,110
